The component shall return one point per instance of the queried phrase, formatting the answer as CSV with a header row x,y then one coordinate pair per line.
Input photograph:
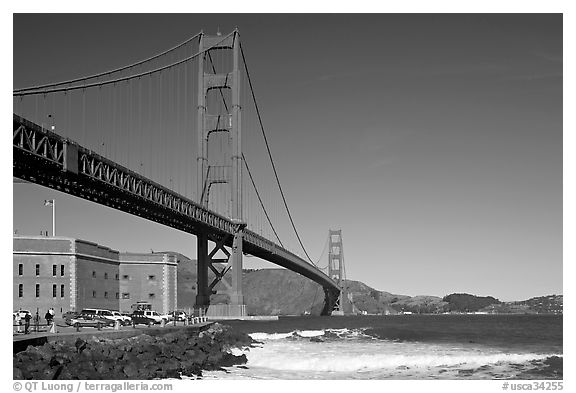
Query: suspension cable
x,y
246,164
84,86
110,71
260,199
321,255
270,156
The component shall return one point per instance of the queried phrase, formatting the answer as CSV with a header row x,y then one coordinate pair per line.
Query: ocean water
x,y
401,347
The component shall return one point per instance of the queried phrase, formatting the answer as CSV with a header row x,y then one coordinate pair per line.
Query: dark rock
x,y
229,360
103,367
131,370
171,338
54,362
146,357
80,345
57,372
17,373
141,357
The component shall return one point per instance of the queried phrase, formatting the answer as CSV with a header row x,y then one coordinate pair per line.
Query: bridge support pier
x,y
206,260
236,295
209,173
203,289
330,300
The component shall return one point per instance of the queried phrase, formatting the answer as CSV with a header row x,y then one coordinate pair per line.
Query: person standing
x,y
15,318
49,317
27,319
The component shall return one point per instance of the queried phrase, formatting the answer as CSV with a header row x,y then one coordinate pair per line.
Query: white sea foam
x,y
235,351
349,333
300,358
310,333
368,362
270,336
341,333
345,356
350,353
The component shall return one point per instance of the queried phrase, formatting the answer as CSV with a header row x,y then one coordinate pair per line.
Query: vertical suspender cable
x,y
271,159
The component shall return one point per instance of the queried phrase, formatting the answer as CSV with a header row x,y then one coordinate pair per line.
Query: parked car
x,y
178,315
115,315
21,314
68,315
124,319
139,318
90,320
99,312
167,317
151,314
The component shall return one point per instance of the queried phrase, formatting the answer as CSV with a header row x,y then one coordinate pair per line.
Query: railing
x,y
121,188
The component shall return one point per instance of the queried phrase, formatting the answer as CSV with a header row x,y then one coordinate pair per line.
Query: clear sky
x,y
433,141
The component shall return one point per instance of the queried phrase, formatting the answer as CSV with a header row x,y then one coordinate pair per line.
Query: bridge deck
x,y
43,157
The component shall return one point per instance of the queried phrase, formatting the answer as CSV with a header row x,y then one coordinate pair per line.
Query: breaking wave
x,y
295,334
368,362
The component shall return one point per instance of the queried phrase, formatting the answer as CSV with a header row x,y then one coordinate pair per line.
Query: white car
x,y
178,315
99,312
154,315
21,314
124,319
167,317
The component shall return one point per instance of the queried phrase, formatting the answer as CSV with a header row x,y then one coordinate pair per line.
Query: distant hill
x,y
283,292
422,304
551,304
370,300
464,302
266,291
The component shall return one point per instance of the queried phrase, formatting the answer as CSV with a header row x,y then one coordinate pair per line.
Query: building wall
x,y
45,280
79,259
170,289
97,269
148,278
97,286
94,276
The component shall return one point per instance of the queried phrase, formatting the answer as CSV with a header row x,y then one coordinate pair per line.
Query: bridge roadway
x,y
46,158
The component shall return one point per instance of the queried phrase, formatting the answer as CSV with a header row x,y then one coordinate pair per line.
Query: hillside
x,y
283,292
552,304
422,304
464,302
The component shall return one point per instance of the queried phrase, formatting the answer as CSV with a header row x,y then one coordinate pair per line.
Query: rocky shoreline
x,y
171,355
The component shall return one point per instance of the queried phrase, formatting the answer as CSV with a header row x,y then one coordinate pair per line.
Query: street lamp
x,y
52,202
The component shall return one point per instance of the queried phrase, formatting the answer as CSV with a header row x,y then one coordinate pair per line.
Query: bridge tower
x,y
336,271
209,123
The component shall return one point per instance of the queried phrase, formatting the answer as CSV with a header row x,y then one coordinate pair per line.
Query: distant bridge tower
x,y
209,123
337,271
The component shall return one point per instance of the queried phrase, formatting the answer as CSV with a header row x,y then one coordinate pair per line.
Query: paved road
x,y
65,331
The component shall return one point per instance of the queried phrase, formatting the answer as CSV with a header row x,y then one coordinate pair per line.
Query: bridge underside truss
x,y
47,159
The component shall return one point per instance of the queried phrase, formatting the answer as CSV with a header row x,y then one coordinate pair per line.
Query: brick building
x,y
64,273
148,278
70,274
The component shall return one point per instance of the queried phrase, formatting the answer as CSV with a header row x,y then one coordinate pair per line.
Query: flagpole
x,y
53,217
52,203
